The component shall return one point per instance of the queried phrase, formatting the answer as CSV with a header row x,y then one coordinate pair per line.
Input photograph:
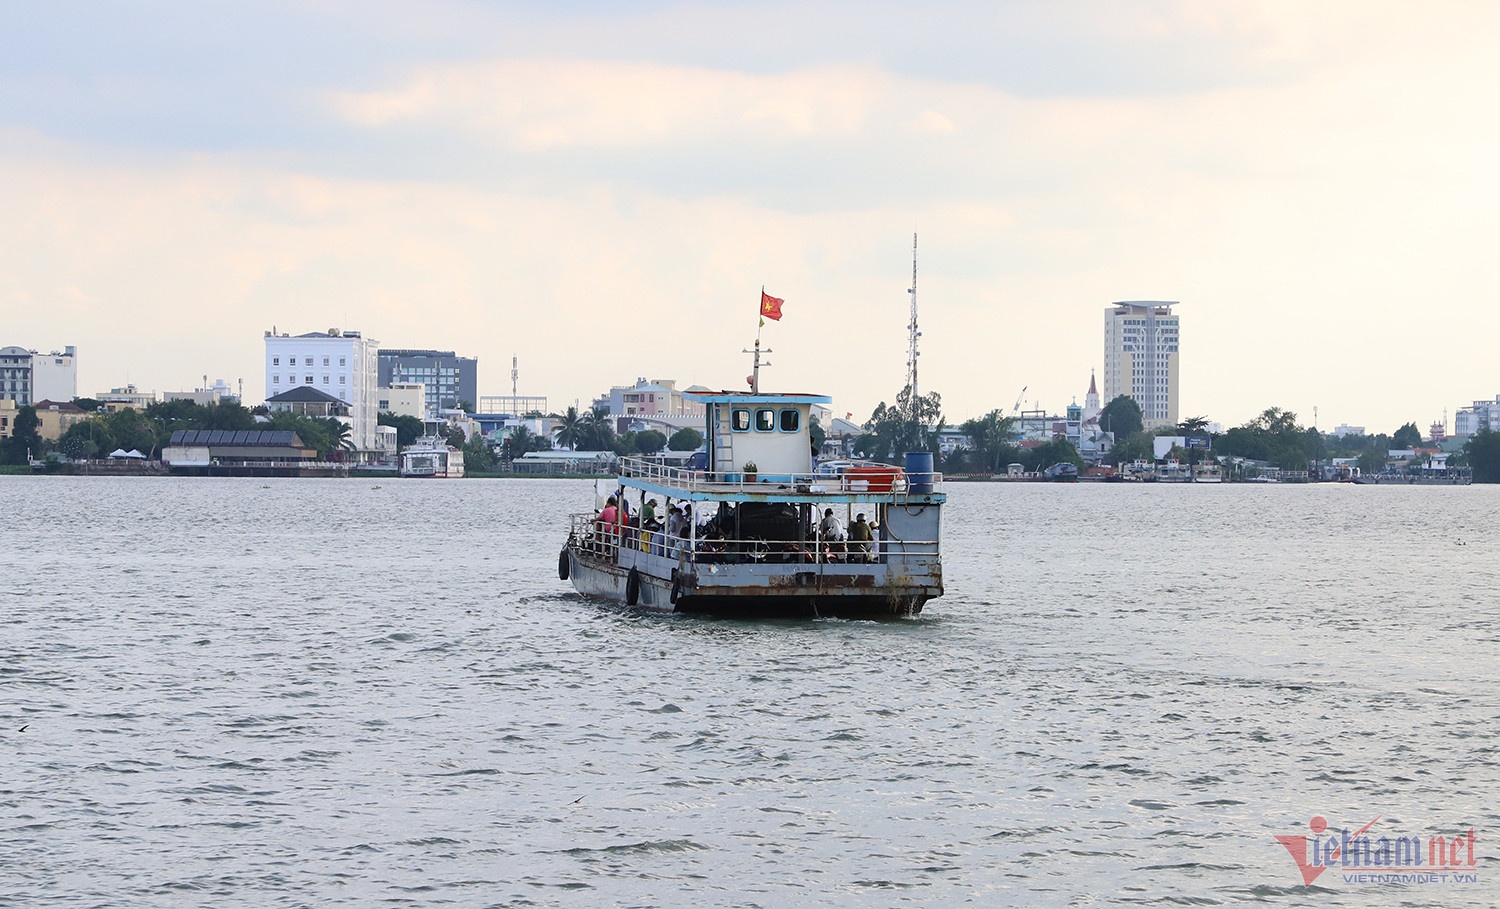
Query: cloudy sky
x,y
601,188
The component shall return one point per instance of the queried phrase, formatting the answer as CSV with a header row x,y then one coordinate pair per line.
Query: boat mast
x,y
756,364
912,353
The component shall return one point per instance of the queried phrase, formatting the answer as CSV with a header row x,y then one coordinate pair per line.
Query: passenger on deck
x,y
859,539
607,525
829,528
648,516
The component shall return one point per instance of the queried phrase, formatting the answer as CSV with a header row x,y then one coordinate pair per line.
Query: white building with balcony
x,y
343,364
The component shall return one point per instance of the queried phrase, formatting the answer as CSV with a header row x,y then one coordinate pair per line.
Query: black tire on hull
x,y
676,589
562,565
632,588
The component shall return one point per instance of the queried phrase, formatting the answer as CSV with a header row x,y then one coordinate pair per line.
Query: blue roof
x,y
745,397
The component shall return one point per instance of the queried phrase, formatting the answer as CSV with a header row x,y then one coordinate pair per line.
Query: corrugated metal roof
x,y
225,438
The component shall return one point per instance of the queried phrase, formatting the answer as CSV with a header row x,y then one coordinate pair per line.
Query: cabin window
x,y
765,420
789,421
739,420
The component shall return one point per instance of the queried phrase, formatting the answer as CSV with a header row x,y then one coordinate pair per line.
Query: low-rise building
x,y
201,447
55,418
566,462
117,399
310,402
8,411
404,399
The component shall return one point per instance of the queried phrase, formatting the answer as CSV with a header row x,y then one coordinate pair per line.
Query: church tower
x,y
1091,405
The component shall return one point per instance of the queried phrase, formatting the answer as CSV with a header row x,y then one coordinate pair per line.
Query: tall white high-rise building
x,y
340,363
1140,357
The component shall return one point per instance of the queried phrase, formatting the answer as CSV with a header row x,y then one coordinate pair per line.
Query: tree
x,y
911,424
313,431
1371,461
1122,416
408,428
478,455
1138,446
650,441
89,404
598,433
570,429
1054,452
1483,452
86,439
989,437
1192,426
133,431
520,439
685,439
24,439
1407,437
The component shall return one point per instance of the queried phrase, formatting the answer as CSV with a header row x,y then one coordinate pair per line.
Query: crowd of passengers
x,y
615,526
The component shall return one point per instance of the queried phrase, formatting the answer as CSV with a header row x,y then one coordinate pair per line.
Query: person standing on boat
x,y
608,523
860,537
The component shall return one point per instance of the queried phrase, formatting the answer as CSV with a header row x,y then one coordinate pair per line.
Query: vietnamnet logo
x,y
1364,858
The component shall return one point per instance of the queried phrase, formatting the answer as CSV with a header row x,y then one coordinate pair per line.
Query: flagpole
x,y
755,368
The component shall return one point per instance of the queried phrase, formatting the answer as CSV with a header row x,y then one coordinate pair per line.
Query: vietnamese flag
x,y
770,307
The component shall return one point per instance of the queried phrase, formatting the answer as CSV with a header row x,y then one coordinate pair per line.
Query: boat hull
x,y
754,591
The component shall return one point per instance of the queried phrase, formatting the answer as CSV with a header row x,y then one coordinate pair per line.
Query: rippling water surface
x,y
356,692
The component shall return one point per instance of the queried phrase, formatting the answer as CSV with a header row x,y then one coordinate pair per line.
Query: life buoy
x,y
632,588
562,565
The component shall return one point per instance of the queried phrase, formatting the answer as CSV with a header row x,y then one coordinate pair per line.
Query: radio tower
x,y
912,353
515,374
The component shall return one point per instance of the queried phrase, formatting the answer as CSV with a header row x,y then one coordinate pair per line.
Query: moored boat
x,y
431,456
759,530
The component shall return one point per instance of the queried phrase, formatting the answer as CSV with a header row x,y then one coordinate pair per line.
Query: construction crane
x,y
1017,408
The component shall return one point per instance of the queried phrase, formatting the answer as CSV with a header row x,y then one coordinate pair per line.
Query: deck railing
x,y
588,534
880,479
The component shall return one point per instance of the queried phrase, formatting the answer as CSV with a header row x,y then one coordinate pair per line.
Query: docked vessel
x,y
431,456
760,530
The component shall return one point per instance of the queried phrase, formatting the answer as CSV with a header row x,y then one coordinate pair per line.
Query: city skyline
x,y
604,192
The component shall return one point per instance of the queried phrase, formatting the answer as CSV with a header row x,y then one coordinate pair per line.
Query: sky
x,y
602,189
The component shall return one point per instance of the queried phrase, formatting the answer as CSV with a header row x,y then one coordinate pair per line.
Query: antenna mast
x,y
912,353
515,373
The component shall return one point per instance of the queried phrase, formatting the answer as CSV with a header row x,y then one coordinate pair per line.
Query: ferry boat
x,y
758,530
431,456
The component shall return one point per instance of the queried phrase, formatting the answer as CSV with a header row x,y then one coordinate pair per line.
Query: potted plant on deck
x,y
750,469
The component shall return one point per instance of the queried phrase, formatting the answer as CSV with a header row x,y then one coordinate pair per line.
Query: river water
x,y
357,692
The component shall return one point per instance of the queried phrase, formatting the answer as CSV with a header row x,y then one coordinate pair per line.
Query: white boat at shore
x,y
432,457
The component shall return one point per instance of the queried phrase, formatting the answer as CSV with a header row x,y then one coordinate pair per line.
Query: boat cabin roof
x,y
747,397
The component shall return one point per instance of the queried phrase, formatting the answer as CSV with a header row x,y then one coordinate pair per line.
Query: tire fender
x,y
562,564
632,588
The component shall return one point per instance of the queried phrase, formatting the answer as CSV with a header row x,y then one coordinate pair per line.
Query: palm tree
x,y
520,441
598,433
570,428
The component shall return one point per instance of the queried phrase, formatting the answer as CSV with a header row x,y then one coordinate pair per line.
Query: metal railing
x,y
588,534
876,480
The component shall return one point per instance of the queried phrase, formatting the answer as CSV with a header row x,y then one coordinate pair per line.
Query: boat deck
x,y
888,484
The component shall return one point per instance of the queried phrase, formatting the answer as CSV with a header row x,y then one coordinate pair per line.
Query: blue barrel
x,y
919,471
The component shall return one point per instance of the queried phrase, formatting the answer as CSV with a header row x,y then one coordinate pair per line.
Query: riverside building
x,y
338,363
446,378
1141,358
